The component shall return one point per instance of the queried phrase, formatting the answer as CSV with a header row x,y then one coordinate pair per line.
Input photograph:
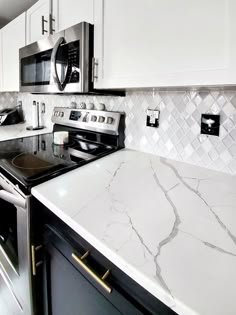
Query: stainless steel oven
x,y
27,162
61,63
14,246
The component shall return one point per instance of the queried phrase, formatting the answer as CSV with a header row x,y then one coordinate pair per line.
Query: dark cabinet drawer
x,y
67,286
71,293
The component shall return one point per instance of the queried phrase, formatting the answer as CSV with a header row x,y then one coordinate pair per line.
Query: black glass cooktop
x,y
32,160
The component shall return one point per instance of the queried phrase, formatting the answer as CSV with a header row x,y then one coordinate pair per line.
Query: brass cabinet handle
x,y
34,264
99,280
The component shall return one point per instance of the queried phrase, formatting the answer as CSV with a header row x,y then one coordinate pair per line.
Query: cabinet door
x,y
165,43
13,38
71,293
70,12
1,70
38,21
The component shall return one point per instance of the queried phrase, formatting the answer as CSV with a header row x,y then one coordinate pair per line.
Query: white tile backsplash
x,y
178,136
8,100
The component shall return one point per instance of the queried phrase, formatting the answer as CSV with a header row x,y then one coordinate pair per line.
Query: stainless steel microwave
x,y
61,63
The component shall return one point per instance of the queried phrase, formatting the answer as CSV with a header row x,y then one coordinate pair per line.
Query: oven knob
x,y
101,106
94,118
90,106
82,105
109,120
101,119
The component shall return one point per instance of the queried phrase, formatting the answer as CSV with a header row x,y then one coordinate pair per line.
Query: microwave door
x,y
59,64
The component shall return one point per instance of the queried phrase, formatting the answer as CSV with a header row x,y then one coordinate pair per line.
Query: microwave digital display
x,y
74,115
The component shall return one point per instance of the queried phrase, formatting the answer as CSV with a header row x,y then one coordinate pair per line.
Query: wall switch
x,y
210,124
153,118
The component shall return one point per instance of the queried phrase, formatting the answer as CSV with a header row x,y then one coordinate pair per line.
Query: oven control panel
x,y
94,120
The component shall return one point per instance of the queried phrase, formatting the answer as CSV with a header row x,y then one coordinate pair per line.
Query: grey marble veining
x,y
169,225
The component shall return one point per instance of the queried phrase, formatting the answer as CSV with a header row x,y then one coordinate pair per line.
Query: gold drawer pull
x,y
99,280
34,264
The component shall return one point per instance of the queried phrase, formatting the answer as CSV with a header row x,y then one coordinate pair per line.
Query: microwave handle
x,y
60,85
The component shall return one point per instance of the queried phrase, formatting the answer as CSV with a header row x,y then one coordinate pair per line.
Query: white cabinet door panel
x,y
165,42
13,38
1,70
35,25
70,12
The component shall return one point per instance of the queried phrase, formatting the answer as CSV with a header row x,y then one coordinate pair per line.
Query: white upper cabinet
x,y
49,16
13,38
1,70
156,43
38,23
70,12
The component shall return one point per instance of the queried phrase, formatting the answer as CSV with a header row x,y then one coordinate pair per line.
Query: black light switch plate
x,y
210,124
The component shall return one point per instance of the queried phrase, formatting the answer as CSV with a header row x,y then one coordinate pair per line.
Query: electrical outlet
x,y
210,124
153,118
43,108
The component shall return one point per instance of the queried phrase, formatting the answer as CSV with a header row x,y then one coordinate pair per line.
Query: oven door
x,y
14,241
60,63
8,233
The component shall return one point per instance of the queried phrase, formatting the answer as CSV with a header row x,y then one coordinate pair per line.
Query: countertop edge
x,y
140,278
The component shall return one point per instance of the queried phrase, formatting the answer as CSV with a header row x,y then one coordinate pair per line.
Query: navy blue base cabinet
x,y
76,279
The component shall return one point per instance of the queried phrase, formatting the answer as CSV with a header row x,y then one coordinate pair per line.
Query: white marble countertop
x,y
19,131
168,225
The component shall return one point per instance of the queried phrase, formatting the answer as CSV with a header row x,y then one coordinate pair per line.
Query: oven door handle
x,y
61,86
20,202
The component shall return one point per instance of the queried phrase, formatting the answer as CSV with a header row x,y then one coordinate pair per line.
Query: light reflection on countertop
x,y
19,131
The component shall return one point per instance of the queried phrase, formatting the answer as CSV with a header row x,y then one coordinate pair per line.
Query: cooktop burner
x,y
32,160
27,161
38,157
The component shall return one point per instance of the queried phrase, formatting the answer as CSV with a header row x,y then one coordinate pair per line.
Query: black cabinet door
x,y
63,287
70,293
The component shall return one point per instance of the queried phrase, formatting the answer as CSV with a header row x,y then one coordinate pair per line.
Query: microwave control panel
x,y
74,62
